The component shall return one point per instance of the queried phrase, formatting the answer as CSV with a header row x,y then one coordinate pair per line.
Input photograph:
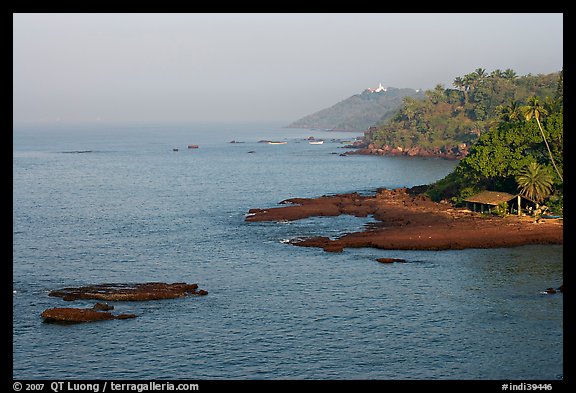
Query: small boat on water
x,y
315,142
193,146
277,143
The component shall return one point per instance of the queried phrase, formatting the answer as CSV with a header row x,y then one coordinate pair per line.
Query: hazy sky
x,y
251,67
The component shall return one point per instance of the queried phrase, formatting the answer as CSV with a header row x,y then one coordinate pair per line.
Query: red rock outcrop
x,y
409,221
77,315
129,292
113,292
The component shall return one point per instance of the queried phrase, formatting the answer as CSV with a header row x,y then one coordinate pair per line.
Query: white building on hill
x,y
377,90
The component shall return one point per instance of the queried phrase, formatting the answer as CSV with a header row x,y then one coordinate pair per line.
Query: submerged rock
x,y
333,247
552,291
390,260
129,292
102,307
77,315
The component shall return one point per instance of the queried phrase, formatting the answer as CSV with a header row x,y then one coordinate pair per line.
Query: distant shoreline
x,y
326,129
407,220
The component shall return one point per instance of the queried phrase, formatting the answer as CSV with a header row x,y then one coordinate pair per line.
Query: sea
x,y
131,203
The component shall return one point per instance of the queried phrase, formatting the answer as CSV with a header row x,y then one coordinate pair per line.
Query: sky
x,y
244,67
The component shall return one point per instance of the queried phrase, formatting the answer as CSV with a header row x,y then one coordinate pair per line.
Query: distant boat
x,y
175,149
315,142
277,143
193,146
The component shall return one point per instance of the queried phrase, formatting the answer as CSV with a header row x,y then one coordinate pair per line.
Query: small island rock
x,y
77,315
129,292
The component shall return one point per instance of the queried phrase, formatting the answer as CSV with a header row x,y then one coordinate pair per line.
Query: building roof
x,y
490,197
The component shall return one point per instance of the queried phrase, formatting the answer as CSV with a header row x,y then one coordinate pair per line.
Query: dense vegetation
x,y
359,112
512,127
448,117
522,151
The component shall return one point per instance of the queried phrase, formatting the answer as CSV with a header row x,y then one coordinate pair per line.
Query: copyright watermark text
x,y
527,386
103,386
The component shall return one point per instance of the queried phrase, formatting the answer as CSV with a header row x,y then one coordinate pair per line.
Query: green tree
x,y
559,96
410,107
437,95
460,84
552,105
471,80
510,111
481,73
442,118
510,74
535,182
497,74
535,110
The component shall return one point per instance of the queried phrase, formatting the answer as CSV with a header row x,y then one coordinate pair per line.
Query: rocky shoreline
x,y
408,220
448,153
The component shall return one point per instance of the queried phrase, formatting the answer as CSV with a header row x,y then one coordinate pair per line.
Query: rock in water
x,y
77,315
390,260
102,307
113,292
129,292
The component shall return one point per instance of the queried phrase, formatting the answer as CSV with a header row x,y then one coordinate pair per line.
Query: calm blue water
x,y
133,210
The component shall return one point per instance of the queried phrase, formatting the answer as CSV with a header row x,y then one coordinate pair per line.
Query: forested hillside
x,y
360,111
523,151
454,118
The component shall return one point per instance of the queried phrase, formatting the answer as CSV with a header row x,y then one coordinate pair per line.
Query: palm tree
x,y
480,73
533,109
409,108
497,74
437,95
510,111
535,182
460,84
552,105
510,73
470,80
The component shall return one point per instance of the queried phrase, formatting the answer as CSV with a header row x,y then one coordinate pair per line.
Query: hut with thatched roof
x,y
487,201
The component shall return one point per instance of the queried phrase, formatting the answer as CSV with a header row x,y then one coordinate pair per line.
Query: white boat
x,y
277,143
316,142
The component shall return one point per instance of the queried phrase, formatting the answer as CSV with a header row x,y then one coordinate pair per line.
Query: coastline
x,y
370,149
408,220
